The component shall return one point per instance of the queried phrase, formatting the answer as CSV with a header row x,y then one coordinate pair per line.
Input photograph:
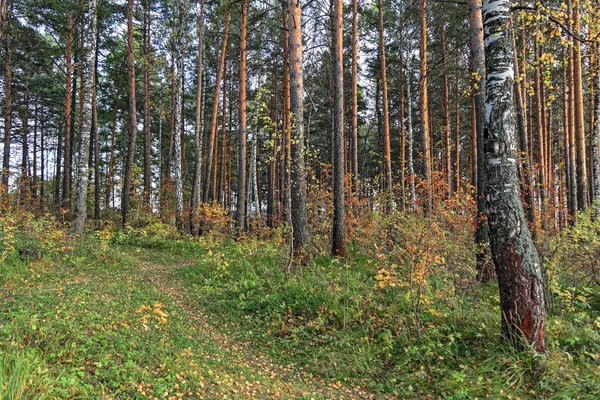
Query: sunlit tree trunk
x,y
96,138
539,118
515,256
484,268
524,140
198,134
80,215
424,107
354,83
446,113
241,190
298,168
69,91
8,115
595,138
410,140
582,181
387,158
177,167
338,248
147,120
210,168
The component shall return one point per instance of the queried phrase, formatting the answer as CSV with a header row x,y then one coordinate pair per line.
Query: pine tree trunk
x,y
210,168
478,55
354,133
66,187
515,256
298,168
96,139
80,215
338,248
457,136
241,190
524,142
8,116
387,158
132,124
595,138
446,114
574,183
147,120
582,181
424,107
541,167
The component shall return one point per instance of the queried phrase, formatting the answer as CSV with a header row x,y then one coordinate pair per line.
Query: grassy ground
x,y
127,316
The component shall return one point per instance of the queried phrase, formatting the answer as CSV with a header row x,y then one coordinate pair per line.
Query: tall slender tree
x,y
198,134
516,259
424,107
80,215
242,176
297,161
338,247
387,158
132,122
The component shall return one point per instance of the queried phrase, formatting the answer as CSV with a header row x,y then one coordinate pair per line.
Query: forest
x,y
300,199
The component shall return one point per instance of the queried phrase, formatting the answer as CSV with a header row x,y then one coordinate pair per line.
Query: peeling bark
x,y
515,256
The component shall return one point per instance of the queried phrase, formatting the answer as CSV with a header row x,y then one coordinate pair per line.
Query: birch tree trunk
x,y
298,168
197,183
132,125
515,256
338,247
177,166
80,215
410,140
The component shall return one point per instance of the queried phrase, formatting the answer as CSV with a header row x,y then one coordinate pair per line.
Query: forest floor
x,y
128,327
148,314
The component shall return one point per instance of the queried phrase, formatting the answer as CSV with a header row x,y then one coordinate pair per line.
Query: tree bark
x,y
424,107
147,120
7,116
298,168
66,191
515,256
446,113
387,158
132,125
241,190
198,134
178,133
82,180
595,138
338,247
354,133
582,181
210,168
478,56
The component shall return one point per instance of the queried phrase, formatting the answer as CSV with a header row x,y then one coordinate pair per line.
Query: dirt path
x,y
260,378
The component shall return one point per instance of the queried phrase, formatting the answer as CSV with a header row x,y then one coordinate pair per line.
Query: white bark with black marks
x,y
515,256
80,215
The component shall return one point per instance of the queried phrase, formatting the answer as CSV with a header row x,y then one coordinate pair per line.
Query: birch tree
x,y
80,215
515,256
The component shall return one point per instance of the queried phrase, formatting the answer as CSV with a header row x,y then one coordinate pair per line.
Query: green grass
x,y
131,316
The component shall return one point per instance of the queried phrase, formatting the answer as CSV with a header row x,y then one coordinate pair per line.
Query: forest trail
x,y
241,372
